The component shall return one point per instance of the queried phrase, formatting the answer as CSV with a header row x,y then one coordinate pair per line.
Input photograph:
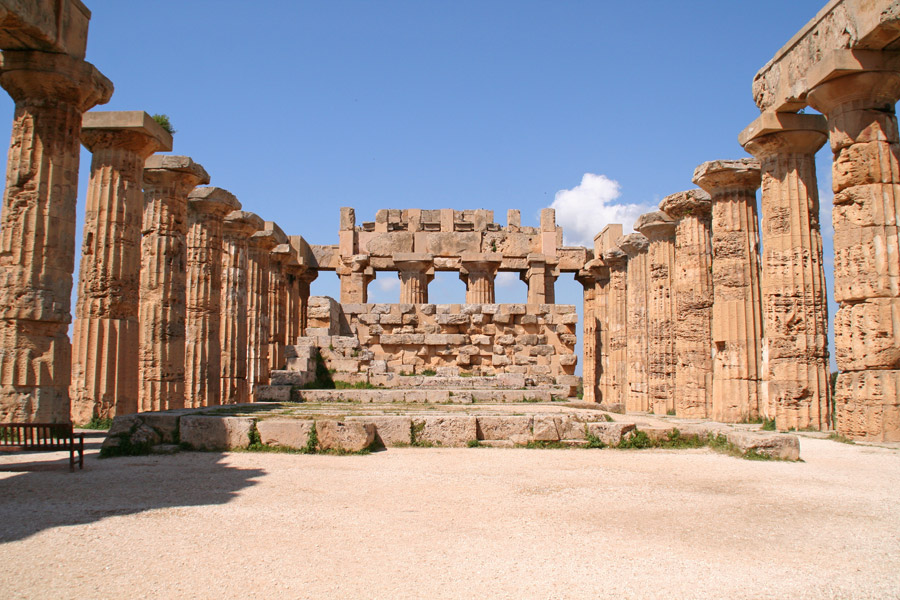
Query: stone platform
x,y
352,427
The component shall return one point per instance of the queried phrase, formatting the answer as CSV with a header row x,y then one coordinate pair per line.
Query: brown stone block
x,y
867,335
867,205
215,433
865,163
868,405
866,262
860,126
344,436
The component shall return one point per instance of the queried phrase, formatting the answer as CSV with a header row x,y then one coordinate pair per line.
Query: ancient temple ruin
x,y
708,310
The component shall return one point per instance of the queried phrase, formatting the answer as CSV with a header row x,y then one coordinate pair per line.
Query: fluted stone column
x,y
415,271
596,332
305,279
737,311
294,319
478,270
796,387
693,286
207,207
615,377
541,278
258,317
105,333
238,227
356,275
862,125
659,229
37,229
279,303
635,246
167,182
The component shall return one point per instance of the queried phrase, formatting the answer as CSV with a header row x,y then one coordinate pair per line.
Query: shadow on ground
x,y
43,493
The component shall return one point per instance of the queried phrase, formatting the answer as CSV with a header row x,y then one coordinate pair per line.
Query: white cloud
x,y
590,206
387,284
506,279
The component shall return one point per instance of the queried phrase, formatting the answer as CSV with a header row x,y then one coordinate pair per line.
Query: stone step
x,y
286,393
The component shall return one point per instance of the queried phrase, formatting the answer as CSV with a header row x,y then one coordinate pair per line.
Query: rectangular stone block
x,y
452,319
775,445
345,436
390,431
610,434
445,339
215,433
273,393
514,428
448,431
286,433
867,405
867,335
402,339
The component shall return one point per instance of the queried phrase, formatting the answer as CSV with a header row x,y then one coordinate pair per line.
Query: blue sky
x,y
302,107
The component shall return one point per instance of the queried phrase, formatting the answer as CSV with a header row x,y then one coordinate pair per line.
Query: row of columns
x,y
184,300
477,270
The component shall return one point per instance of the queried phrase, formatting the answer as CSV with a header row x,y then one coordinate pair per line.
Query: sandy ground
x,y
454,523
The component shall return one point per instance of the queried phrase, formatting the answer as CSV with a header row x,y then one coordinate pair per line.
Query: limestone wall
x,y
533,340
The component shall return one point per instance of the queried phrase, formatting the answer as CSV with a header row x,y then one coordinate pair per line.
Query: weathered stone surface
x,y
614,382
449,431
775,445
51,91
514,428
635,246
693,291
795,389
345,436
610,434
389,430
215,432
867,405
737,312
287,433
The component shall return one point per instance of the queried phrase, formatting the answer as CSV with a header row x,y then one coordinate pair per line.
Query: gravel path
x,y
455,523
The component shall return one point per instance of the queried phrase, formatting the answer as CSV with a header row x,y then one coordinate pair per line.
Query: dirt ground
x,y
454,523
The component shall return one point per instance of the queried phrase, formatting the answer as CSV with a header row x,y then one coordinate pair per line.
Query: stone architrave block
x,y
273,393
545,428
514,428
448,431
345,436
776,445
287,433
215,433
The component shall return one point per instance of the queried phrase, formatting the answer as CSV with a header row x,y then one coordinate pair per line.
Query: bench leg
x,y
81,453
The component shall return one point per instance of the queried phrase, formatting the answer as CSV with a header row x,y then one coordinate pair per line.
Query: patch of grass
x,y
558,399
608,419
638,440
98,423
768,425
545,445
836,437
675,440
416,429
164,122
592,440
428,373
359,385
474,444
464,374
670,412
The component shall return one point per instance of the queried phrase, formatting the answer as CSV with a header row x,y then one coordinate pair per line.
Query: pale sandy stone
x,y
346,436
390,431
514,428
287,433
215,433
450,431
775,445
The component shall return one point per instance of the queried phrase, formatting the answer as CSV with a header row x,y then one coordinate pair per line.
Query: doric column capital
x,y
213,201
414,261
632,244
773,134
615,258
30,76
720,176
656,225
871,77
242,224
695,202
132,130
179,173
480,262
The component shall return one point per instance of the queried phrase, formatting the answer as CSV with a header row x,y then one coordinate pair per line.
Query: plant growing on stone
x,y
163,121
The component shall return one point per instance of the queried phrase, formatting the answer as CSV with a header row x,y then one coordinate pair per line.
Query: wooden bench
x,y
43,437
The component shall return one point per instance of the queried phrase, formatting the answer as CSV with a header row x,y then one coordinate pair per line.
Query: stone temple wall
x,y
536,341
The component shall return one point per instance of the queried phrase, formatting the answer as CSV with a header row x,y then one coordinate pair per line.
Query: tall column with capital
x,y
415,271
105,334
693,289
737,312
595,328
796,388
258,276
614,379
280,284
635,246
207,207
167,182
659,229
37,229
541,278
305,278
862,126
238,227
478,270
